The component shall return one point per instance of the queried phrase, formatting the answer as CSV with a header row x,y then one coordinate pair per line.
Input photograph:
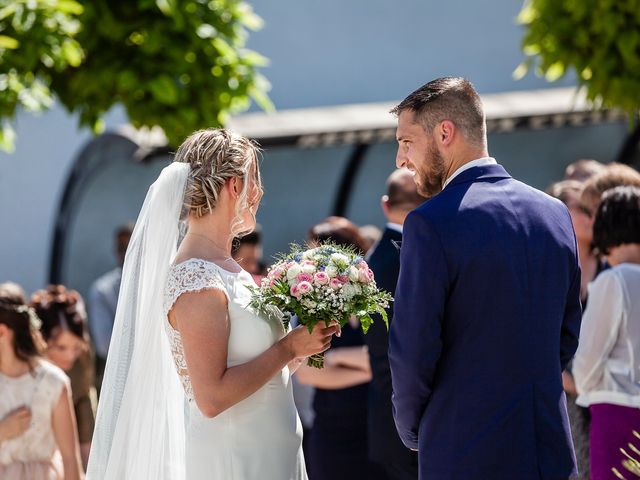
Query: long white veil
x,y
139,433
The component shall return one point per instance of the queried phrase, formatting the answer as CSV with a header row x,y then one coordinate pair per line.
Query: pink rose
x,y
305,287
304,277
276,273
335,283
295,291
321,278
365,275
363,265
309,262
343,278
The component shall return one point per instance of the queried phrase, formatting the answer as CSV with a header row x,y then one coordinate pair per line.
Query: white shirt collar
x,y
396,227
480,162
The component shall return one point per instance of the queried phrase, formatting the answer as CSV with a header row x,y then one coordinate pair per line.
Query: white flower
x,y
348,291
353,274
332,271
308,268
339,259
293,272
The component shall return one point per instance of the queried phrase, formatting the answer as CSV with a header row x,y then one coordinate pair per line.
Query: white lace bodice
x,y
195,275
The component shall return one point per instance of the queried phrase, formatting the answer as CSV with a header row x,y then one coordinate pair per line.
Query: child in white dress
x,y
38,439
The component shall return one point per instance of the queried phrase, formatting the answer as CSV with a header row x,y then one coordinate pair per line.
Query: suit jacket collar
x,y
479,173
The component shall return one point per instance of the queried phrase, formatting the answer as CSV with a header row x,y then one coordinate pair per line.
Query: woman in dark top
x,y
337,446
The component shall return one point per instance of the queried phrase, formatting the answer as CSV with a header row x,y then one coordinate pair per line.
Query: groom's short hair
x,y
448,98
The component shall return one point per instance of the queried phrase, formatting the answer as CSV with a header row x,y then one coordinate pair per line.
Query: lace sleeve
x,y
192,276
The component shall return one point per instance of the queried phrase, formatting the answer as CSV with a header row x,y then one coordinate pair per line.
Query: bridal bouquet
x,y
321,284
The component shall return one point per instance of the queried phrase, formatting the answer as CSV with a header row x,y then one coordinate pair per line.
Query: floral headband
x,y
34,321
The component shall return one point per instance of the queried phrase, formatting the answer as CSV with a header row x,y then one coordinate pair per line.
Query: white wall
x,y
31,183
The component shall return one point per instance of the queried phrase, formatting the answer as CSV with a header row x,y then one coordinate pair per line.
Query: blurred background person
x,y
247,251
582,170
103,300
370,235
337,443
38,438
605,366
568,192
64,329
614,175
385,446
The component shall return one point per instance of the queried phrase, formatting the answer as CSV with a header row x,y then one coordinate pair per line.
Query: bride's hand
x,y
301,343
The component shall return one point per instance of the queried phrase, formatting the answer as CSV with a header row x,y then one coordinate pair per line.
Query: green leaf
x,y
8,42
70,7
8,10
520,71
72,52
555,71
164,90
7,138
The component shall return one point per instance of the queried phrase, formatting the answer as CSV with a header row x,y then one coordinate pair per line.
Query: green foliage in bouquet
x,y
321,284
598,39
178,64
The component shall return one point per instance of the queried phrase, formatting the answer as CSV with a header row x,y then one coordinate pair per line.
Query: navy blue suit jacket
x,y
384,442
486,317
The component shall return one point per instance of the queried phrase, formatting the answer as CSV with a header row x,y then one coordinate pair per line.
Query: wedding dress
x,y
148,426
261,436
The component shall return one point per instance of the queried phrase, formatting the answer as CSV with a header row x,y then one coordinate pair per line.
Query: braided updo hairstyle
x,y
216,155
60,309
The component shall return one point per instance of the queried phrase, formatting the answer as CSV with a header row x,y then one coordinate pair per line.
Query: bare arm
x,y
203,322
344,367
65,433
356,357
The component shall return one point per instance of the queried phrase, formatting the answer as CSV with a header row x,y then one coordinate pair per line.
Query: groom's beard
x,y
431,181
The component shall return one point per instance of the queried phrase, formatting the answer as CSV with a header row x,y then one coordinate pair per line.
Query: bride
x,y
228,413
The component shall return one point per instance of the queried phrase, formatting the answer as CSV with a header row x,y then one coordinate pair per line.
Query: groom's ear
x,y
445,132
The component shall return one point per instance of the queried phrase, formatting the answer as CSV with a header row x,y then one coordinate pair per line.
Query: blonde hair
x,y
216,155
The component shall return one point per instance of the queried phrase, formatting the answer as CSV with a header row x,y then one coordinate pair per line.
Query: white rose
x,y
353,274
309,268
339,258
293,272
332,271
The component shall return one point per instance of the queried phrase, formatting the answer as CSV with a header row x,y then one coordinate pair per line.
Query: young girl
x,y
38,438
64,328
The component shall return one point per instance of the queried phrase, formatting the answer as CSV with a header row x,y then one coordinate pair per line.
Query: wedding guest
x,y
568,192
385,446
102,302
614,175
582,170
247,251
64,329
605,366
38,439
370,234
338,438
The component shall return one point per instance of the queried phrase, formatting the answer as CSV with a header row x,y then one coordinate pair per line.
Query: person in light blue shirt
x,y
103,299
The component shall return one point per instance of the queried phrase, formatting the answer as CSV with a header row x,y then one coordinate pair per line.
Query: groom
x,y
487,309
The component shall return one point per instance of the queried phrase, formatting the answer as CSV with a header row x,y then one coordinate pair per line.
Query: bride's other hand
x,y
301,343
